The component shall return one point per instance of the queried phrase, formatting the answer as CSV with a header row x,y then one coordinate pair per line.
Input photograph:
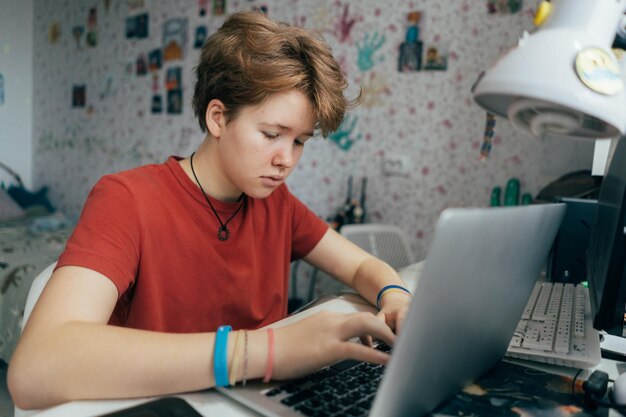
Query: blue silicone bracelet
x,y
220,356
388,287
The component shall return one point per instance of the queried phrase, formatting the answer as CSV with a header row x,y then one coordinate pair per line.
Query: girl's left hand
x,y
394,308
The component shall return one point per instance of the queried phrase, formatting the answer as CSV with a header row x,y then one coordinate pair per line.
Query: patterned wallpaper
x,y
93,111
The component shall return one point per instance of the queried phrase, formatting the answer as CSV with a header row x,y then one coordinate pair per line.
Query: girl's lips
x,y
272,181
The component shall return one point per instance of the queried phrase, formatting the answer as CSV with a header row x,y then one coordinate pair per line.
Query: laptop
x,y
478,276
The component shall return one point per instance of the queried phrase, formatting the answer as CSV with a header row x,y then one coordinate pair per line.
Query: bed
x,y
30,240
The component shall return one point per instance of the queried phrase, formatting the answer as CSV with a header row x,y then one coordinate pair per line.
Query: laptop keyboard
x,y
346,388
557,328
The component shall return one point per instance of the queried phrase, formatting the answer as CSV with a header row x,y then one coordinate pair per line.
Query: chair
x,y
385,241
35,290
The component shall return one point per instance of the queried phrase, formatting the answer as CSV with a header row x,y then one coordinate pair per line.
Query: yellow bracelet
x,y
234,366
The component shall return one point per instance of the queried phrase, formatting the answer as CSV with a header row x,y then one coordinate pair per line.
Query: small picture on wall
x,y
504,6
54,32
200,37
157,104
174,39
174,102
137,26
219,7
435,58
155,60
141,65
79,95
173,79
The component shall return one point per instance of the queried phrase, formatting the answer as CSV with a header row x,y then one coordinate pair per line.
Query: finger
x,y
367,340
361,324
364,353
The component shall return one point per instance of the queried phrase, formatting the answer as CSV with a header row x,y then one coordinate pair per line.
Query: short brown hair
x,y
251,57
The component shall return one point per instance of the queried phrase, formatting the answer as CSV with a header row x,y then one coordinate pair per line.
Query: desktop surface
x,y
212,403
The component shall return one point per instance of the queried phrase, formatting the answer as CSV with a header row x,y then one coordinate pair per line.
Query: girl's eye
x,y
299,142
270,135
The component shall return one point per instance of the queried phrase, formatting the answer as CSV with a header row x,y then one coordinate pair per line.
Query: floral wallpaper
x,y
113,82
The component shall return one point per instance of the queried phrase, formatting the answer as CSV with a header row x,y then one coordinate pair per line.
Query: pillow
x,y
9,209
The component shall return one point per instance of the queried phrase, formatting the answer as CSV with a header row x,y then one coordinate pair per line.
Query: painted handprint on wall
x,y
344,137
371,43
344,26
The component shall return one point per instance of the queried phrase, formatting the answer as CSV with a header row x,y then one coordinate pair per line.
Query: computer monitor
x,y
568,258
606,252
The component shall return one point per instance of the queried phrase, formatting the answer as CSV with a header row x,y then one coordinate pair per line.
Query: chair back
x,y
36,288
385,241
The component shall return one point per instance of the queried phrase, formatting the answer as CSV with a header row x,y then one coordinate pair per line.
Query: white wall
x,y
16,65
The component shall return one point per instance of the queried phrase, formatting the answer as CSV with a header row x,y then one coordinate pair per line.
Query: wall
x,y
425,118
16,68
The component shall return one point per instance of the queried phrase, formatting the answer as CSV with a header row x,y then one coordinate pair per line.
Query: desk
x,y
212,403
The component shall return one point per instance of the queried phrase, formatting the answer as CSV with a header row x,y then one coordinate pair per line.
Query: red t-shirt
x,y
153,234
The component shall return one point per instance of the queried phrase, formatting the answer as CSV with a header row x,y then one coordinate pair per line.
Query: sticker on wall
x,y
174,87
78,31
137,26
155,82
175,102
504,6
155,60
219,7
200,37
92,28
54,32
203,5
173,79
410,58
436,58
79,95
141,65
261,9
135,5
107,88
174,39
1,89
157,104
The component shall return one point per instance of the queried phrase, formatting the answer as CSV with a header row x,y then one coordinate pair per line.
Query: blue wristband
x,y
220,356
388,287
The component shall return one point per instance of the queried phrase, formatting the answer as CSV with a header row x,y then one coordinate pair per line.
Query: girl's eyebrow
x,y
282,127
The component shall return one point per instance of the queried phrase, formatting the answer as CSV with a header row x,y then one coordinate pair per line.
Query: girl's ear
x,y
215,117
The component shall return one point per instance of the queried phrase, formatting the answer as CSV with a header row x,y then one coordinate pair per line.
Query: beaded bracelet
x,y
245,358
234,364
220,356
389,288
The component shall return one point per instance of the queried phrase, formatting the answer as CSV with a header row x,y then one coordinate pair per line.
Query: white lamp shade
x,y
537,84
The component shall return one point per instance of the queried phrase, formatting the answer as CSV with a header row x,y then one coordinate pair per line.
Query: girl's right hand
x,y
325,338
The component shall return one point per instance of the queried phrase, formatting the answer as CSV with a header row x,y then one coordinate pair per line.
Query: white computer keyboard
x,y
557,327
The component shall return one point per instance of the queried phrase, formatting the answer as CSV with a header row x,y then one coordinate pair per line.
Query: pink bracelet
x,y
269,367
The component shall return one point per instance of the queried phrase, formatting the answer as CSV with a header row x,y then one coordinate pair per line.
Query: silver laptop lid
x,y
478,276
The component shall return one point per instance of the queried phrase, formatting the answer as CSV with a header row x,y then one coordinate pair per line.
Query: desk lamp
x,y
564,79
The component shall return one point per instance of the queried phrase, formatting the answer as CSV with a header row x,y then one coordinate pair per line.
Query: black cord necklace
x,y
222,232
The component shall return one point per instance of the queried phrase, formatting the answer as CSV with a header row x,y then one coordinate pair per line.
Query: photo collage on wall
x,y
414,55
162,64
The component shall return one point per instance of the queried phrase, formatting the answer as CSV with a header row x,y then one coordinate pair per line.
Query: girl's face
x,y
260,147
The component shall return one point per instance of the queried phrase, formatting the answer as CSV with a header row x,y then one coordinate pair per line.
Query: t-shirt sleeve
x,y
107,237
308,229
